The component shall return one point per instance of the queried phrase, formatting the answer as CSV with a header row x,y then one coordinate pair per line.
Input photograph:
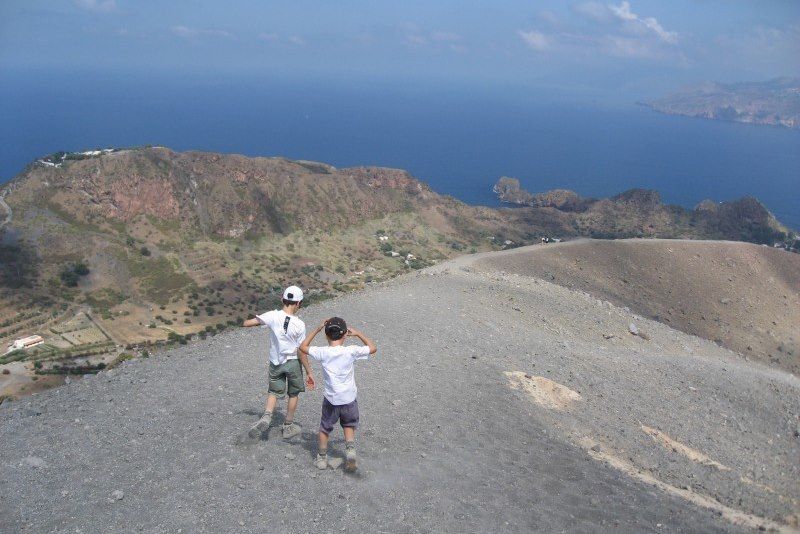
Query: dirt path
x,y
8,212
453,437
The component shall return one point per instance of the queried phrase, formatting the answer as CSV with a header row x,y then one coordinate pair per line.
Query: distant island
x,y
774,103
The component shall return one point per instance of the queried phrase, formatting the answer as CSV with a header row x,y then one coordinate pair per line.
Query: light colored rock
x,y
34,461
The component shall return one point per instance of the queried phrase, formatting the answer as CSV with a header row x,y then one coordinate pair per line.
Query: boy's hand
x,y
352,332
310,383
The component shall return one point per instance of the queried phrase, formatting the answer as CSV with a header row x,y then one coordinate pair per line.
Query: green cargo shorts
x,y
286,378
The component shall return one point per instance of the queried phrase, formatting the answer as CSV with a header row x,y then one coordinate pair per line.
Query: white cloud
x,y
268,37
98,6
624,13
615,45
593,10
274,38
416,39
536,40
445,36
194,33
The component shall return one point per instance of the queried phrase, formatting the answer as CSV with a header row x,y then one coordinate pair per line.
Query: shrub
x,y
144,251
69,277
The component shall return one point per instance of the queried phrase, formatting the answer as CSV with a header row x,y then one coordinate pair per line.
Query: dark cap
x,y
335,328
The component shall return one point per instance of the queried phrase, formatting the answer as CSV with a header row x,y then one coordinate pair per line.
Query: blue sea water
x,y
459,139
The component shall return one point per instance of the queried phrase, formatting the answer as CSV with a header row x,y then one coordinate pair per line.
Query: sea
x,y
458,137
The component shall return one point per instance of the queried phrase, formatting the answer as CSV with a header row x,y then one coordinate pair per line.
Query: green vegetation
x,y
164,225
105,298
19,266
14,356
71,274
159,278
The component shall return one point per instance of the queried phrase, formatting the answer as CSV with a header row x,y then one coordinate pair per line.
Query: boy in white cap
x,y
287,331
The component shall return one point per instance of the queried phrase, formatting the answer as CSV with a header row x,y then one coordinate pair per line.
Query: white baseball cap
x,y
293,293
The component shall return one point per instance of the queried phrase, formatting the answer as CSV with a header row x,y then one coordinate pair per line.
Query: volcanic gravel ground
x,y
458,432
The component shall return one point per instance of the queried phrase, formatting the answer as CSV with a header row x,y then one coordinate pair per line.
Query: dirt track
x,y
497,402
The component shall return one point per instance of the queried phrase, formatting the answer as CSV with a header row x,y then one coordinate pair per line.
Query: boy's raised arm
x,y
364,339
303,348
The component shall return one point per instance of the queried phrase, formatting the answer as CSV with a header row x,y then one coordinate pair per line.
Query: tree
x,y
69,278
81,269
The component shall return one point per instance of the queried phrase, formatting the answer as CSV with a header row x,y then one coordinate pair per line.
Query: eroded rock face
x,y
138,195
382,178
225,195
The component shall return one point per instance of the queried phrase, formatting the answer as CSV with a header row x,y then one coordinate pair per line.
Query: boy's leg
x,y
349,420
272,401
322,455
294,386
291,407
277,388
323,442
262,425
328,419
289,428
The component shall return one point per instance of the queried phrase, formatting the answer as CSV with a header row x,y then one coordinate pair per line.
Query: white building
x,y
26,342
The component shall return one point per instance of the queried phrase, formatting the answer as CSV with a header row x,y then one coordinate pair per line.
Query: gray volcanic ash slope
x,y
497,402
744,297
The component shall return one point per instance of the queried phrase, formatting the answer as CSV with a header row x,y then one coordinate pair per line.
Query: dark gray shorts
x,y
346,414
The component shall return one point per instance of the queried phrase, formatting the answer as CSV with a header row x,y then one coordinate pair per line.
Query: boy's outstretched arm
x,y
252,322
364,339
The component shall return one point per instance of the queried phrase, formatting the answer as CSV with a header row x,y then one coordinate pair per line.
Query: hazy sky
x,y
634,46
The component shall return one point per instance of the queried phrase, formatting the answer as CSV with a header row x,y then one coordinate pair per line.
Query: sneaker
x,y
291,430
321,462
260,427
350,459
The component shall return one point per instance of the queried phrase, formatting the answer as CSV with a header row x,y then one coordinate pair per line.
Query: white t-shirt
x,y
286,332
338,372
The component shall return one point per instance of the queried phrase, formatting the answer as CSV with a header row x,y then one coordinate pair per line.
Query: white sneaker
x,y
290,431
321,462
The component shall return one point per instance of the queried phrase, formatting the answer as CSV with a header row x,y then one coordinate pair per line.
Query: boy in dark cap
x,y
340,402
